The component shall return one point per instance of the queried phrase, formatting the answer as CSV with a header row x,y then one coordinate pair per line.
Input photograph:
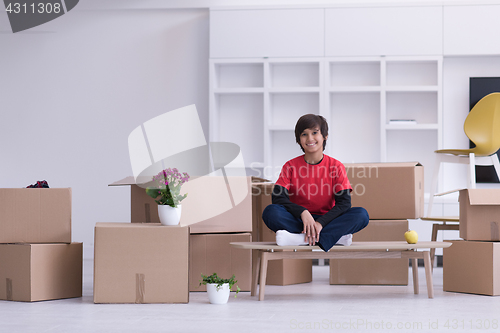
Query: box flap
x,y
259,180
383,164
484,196
130,180
262,183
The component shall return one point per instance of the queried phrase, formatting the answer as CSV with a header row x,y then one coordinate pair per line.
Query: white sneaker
x,y
345,240
284,238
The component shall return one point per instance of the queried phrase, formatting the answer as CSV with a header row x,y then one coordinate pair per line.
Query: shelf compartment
x,y
287,108
295,90
296,74
356,89
356,74
245,75
353,118
240,122
410,146
283,148
416,127
412,73
238,90
411,88
281,128
421,106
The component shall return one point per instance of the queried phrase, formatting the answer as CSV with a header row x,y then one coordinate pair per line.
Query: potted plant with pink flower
x,y
166,190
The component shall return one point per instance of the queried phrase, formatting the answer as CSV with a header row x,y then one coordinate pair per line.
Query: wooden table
x,y
358,250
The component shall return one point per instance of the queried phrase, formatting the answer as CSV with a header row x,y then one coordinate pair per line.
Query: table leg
x,y
414,268
435,228
428,273
255,275
263,274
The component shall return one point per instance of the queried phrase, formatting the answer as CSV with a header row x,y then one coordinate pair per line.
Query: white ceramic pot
x,y
219,296
169,215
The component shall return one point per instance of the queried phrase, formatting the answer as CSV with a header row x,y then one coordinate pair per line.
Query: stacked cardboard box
x,y
140,263
472,265
279,272
212,253
211,227
392,193
388,191
369,271
37,259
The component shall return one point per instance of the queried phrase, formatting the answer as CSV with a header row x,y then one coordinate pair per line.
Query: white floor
x,y
315,306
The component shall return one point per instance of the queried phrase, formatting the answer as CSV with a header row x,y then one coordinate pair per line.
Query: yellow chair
x,y
482,127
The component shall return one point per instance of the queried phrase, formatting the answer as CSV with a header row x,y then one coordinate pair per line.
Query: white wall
x,y
73,89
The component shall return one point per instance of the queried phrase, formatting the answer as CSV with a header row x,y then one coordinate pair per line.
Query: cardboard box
x,y
141,263
373,271
388,191
212,253
279,272
472,267
261,198
480,214
39,272
35,215
213,205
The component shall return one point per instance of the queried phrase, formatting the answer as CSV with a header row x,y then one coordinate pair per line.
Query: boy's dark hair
x,y
309,121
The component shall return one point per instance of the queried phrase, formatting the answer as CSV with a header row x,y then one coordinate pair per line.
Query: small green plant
x,y
219,281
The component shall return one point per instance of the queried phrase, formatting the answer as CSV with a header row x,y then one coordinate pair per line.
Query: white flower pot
x,y
218,296
169,215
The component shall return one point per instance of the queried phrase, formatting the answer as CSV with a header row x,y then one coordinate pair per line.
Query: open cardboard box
x,y
388,191
35,215
214,204
480,214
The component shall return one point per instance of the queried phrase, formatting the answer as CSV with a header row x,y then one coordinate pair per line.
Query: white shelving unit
x,y
353,108
413,91
237,105
256,102
365,93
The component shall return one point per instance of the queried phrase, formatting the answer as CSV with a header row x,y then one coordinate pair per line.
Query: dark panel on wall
x,y
478,88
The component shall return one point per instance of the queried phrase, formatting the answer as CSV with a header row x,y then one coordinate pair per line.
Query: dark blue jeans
x,y
276,217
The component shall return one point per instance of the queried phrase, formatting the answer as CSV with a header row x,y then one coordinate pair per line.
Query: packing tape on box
x,y
8,289
147,211
495,234
140,288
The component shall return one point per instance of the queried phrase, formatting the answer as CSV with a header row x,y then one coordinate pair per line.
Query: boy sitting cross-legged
x,y
311,202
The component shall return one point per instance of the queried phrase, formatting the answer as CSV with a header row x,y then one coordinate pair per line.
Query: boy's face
x,y
311,140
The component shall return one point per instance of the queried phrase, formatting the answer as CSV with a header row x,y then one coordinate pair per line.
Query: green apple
x,y
411,237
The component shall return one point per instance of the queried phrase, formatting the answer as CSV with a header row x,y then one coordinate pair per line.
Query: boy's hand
x,y
311,227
